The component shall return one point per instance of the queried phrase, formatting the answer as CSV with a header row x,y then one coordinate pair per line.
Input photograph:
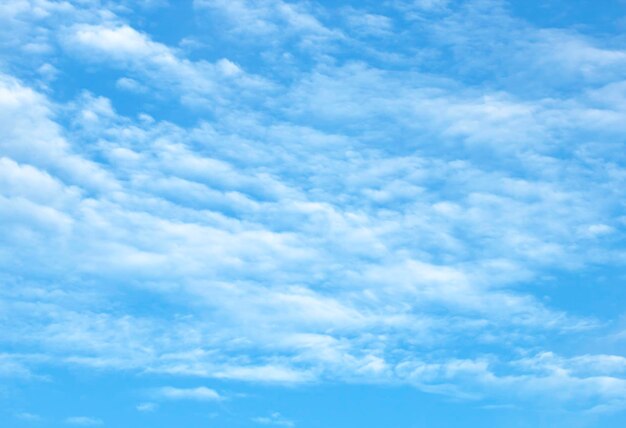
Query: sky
x,y
313,213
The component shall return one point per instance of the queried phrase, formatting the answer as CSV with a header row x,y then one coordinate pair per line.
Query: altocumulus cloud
x,y
307,193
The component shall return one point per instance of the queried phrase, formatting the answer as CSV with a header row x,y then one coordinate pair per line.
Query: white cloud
x,y
200,393
146,407
31,136
15,366
161,67
275,419
123,44
48,72
362,224
83,421
397,292
267,18
369,23
170,227
29,417
131,85
271,374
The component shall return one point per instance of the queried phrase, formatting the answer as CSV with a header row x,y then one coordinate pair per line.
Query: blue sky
x,y
281,213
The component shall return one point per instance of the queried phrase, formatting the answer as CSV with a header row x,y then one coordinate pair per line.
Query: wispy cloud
x,y
83,421
146,407
275,419
200,393
161,67
29,417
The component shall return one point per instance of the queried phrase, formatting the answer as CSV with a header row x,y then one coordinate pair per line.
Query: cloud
x,y
272,374
267,18
513,50
331,217
162,67
121,43
200,393
146,407
131,85
29,417
274,419
31,136
83,421
103,341
18,366
183,216
368,23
